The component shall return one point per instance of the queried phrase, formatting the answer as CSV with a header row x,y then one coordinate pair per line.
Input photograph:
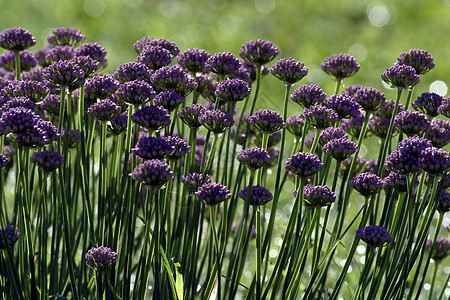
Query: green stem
x,y
211,154
338,86
17,64
433,280
258,253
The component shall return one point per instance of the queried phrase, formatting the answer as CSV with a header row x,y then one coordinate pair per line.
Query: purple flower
x,y
12,235
232,90
439,133
318,196
153,148
346,164
397,181
253,158
369,98
294,124
216,120
152,117
135,92
50,131
434,161
34,90
132,71
320,116
289,71
371,166
340,149
258,52
18,120
206,87
175,79
194,180
155,57
87,64
352,89
193,60
170,100
401,76
444,108
72,140
118,124
213,193
3,160
412,123
101,258
47,160
304,164
104,110
374,236
420,60
59,53
51,104
93,50
268,121
18,102
331,133
379,125
308,95
27,61
190,115
223,63
66,37
154,173
250,69
345,106
428,103
367,184
242,73
63,72
388,109
258,195
140,45
16,39
181,147
353,126
443,202
441,248
340,66
100,87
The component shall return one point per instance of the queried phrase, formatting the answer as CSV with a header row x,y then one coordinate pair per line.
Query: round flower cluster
x,y
258,52
294,124
118,124
27,61
66,37
444,108
308,95
73,138
135,92
181,147
443,202
412,122
47,160
104,110
213,193
320,116
170,100
132,71
140,45
232,90
223,63
152,117
190,115
153,148
193,60
153,173
18,102
59,53
101,258
401,76
304,164
379,126
397,181
344,105
369,98
441,248
374,236
258,195
353,126
439,133
253,158
268,121
63,73
16,39
420,60
155,57
367,184
331,133
194,180
428,103
12,235
340,148
289,71
94,51
100,87
175,79
434,161
340,66
318,196
216,120
34,90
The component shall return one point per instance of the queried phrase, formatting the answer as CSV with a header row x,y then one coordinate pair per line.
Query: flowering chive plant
x,y
151,161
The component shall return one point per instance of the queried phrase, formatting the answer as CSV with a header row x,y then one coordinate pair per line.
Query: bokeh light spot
x,y
265,6
359,51
94,8
379,15
439,87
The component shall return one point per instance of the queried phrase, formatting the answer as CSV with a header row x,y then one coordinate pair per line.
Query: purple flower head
x,y
371,166
367,184
18,102
59,53
353,126
40,55
104,110
398,182
352,89
406,159
318,196
223,63
369,98
12,235
340,149
154,173
232,90
412,123
213,193
420,60
428,103
258,52
27,61
331,133
51,104
304,164
132,71
379,125
320,116
206,86
444,108
170,100
434,161
274,153
268,121
66,37
346,164
441,248
140,45
193,60
118,124
18,120
93,50
190,115
242,74
135,92
374,236
48,160
194,180
443,202
87,64
175,79
294,124
401,77
16,39
180,145
101,258
289,71
250,69
152,117
387,109
100,87
340,66
258,195
216,120
63,72
155,57
344,105
308,95
3,160
439,133
153,148
50,131
73,138
253,158
34,90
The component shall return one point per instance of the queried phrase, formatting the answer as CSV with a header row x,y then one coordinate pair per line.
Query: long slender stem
x,y
17,65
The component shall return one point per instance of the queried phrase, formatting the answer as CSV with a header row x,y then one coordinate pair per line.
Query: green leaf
x,y
179,281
